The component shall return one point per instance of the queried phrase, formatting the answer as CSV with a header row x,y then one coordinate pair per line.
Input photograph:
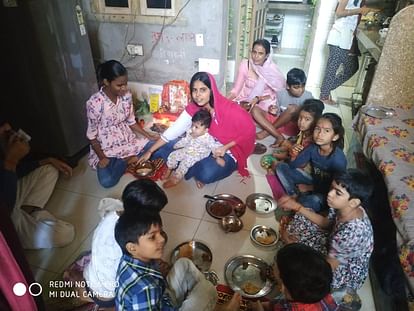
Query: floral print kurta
x,y
110,124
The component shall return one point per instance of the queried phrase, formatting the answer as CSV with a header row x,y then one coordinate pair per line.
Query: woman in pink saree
x,y
257,83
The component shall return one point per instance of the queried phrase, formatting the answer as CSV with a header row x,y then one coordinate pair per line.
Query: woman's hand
x,y
132,160
145,157
219,152
153,136
288,203
103,162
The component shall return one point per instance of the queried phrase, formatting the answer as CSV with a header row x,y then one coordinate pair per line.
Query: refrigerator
x,y
48,73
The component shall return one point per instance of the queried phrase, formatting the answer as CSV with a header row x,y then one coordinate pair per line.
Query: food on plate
x,y
262,204
206,257
220,208
185,251
250,288
265,239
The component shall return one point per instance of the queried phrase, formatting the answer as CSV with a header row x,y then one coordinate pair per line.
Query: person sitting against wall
x,y
231,125
343,52
258,81
115,137
25,188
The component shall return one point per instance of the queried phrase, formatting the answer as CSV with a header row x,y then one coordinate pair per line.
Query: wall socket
x,y
135,49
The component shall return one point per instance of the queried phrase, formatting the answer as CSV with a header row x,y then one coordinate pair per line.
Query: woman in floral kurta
x,y
116,139
345,235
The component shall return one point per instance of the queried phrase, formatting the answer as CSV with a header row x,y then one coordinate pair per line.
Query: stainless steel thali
x,y
378,112
221,205
261,203
248,275
197,251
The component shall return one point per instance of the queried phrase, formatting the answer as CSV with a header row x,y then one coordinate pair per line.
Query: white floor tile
x,y
85,181
366,296
179,229
186,199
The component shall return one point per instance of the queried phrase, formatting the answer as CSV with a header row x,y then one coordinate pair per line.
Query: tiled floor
x,y
76,200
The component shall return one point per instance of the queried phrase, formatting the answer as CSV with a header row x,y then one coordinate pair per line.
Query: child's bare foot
x,y
166,174
262,135
171,182
199,184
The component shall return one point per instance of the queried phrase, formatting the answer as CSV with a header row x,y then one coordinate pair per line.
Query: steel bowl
x,y
231,223
248,275
261,203
198,252
264,236
144,169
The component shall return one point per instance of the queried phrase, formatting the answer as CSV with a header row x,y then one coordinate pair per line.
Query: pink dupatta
x,y
230,123
269,75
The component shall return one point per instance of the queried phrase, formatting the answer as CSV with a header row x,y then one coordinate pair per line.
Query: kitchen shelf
x,y
273,29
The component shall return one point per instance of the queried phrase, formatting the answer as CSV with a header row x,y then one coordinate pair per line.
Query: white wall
x,y
176,55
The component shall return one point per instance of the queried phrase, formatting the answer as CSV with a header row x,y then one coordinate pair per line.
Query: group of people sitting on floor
x,y
328,234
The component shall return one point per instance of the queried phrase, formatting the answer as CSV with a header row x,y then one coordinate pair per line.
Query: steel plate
x,y
261,203
378,112
246,271
197,251
264,236
237,206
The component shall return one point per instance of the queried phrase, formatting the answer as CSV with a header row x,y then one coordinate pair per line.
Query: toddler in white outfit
x,y
195,146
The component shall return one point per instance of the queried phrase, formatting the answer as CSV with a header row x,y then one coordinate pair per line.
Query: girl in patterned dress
x,y
115,137
345,235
